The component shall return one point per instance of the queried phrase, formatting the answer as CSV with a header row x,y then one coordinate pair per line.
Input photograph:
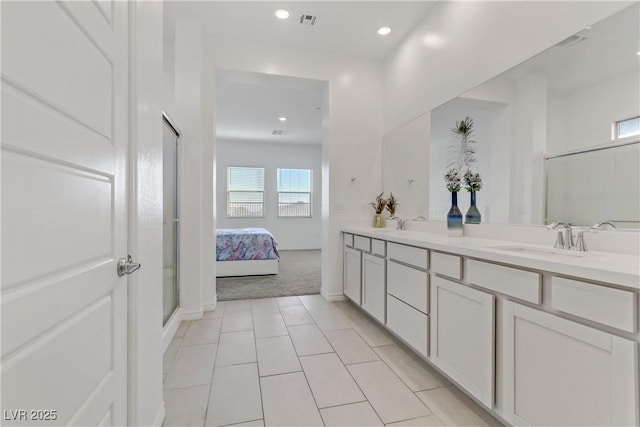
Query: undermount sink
x,y
534,250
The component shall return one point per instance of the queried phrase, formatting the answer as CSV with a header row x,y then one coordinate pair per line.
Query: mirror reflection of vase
x,y
473,214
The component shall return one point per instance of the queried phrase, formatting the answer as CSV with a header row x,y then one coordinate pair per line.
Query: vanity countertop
x,y
614,268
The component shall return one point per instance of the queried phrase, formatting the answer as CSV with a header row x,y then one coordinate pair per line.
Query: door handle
x,y
127,266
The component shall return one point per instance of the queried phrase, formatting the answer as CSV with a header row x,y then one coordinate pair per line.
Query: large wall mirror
x,y
548,142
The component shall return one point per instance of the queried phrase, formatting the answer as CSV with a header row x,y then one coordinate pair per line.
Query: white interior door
x,y
64,145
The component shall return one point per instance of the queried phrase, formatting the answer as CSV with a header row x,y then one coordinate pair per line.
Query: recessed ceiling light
x,y
638,53
282,14
282,119
383,31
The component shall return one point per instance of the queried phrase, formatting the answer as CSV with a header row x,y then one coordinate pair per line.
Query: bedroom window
x,y
294,193
245,192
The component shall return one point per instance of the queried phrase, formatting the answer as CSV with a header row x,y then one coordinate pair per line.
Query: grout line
x,y
243,422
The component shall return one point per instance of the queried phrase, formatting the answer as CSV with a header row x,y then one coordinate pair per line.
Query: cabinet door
x,y
558,372
373,285
352,274
462,336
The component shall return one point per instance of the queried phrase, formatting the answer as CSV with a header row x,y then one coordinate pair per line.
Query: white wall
x,y
354,131
290,233
145,240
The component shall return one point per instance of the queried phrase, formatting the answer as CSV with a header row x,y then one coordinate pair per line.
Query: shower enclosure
x,y
171,222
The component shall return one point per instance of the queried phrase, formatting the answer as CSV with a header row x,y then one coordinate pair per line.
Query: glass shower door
x,y
170,220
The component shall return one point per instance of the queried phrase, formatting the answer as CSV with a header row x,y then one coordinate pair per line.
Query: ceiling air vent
x,y
572,40
278,132
307,19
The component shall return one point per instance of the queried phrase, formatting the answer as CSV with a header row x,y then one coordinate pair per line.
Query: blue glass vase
x,y
473,214
454,217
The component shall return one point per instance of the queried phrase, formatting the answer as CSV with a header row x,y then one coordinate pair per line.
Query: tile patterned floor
x,y
303,361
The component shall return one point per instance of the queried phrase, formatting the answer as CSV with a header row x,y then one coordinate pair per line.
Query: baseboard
x,y
170,328
159,416
211,306
331,297
192,314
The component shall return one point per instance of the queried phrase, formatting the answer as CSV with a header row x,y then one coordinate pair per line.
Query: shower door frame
x,y
168,324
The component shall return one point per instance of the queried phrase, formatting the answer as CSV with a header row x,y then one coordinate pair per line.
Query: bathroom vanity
x,y
538,336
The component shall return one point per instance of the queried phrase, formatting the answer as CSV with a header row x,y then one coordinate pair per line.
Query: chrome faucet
x,y
566,241
400,224
601,224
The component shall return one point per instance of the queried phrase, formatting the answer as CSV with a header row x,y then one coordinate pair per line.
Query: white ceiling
x,y
248,106
344,27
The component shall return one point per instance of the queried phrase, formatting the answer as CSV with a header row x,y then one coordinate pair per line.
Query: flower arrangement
x,y
462,155
392,205
472,181
452,180
379,204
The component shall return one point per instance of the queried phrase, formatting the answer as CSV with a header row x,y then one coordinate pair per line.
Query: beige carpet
x,y
298,274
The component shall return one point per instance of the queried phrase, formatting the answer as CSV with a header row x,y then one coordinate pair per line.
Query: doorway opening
x,y
269,185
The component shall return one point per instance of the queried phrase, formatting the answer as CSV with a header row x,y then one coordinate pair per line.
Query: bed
x,y
245,252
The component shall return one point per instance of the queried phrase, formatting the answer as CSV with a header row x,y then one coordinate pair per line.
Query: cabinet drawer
x,y
506,280
409,255
348,239
362,243
613,307
445,264
408,323
408,285
378,247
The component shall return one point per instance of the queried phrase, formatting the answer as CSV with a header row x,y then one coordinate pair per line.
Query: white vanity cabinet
x,y
373,286
559,372
462,336
353,274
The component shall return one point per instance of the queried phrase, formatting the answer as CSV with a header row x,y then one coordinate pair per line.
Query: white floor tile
x,y
235,395
170,354
192,366
428,421
454,408
295,315
373,334
287,401
353,415
276,355
390,397
256,423
182,329
308,340
349,309
235,348
288,301
314,301
415,372
217,313
330,381
239,320
350,347
269,325
204,331
265,305
185,407
329,319
237,305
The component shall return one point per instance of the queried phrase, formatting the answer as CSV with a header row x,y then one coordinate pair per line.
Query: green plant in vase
x,y
392,206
